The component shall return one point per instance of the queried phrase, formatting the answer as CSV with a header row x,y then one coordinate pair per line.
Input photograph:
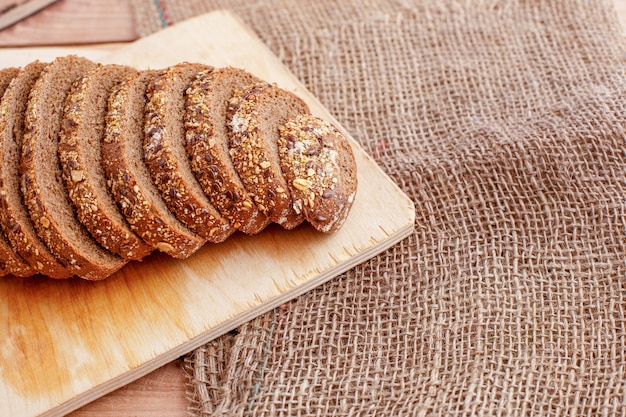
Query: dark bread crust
x,y
45,195
10,261
166,156
319,165
113,163
14,217
129,179
80,154
254,115
207,146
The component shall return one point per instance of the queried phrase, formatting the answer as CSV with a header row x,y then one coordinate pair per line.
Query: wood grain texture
x,y
69,342
159,394
15,12
74,22
163,389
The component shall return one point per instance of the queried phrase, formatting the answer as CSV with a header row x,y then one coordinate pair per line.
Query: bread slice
x,y
166,156
14,218
318,163
254,115
10,261
128,177
45,195
80,153
207,146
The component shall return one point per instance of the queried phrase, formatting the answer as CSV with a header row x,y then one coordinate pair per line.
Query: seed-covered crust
x,y
254,115
45,196
101,164
207,146
319,165
14,218
129,179
11,262
80,154
166,156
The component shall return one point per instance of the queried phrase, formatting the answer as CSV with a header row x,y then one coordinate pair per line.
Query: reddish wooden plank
x,y
74,22
160,393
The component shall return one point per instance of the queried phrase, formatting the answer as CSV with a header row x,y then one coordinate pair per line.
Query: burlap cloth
x,y
504,121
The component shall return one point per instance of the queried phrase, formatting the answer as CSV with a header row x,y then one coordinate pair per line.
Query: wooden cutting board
x,y
66,343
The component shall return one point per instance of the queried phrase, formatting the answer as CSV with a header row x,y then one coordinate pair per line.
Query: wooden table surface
x,y
98,27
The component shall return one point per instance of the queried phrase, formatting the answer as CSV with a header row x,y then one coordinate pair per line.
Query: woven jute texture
x,y
504,121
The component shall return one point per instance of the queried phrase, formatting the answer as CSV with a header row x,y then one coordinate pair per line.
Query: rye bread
x,y
318,163
14,217
207,146
128,177
253,117
44,193
80,154
10,260
166,156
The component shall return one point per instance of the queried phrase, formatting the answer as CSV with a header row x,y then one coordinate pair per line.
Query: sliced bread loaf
x,y
80,154
253,117
137,197
318,163
14,218
44,193
10,261
207,146
166,156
